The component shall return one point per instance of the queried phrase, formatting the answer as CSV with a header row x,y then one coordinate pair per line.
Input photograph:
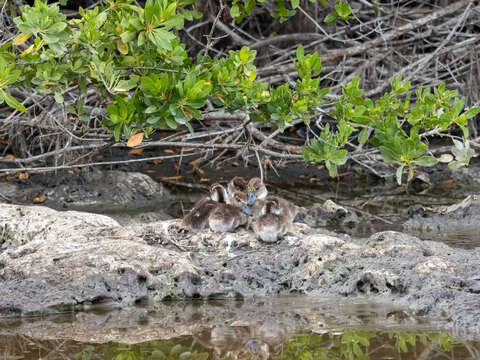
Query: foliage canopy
x,y
134,57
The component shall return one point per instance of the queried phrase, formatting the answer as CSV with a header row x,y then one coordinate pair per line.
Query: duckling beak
x,y
246,210
251,198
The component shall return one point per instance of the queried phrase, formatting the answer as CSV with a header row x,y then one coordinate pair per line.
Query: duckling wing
x,y
289,209
197,218
226,218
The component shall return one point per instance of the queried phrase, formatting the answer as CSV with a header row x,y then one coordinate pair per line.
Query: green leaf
x,y
172,124
235,11
59,98
339,157
363,136
12,102
189,80
472,112
244,51
189,127
330,18
343,9
300,53
426,161
295,3
56,28
454,165
163,39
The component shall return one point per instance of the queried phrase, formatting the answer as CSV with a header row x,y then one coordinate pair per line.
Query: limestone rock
x,y
56,261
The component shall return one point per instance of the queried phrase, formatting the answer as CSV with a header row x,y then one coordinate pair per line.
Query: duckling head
x,y
237,183
239,200
272,206
218,193
256,189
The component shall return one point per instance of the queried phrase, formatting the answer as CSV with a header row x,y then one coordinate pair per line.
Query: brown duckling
x,y
289,209
272,224
197,219
227,217
256,189
257,195
237,183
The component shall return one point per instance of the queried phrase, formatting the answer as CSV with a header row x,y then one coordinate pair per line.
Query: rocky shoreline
x,y
53,261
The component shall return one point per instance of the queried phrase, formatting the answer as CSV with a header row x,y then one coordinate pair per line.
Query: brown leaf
x,y
303,176
235,164
9,177
178,177
150,171
204,180
71,172
10,156
135,140
448,181
23,198
22,176
40,199
195,162
170,151
138,151
157,161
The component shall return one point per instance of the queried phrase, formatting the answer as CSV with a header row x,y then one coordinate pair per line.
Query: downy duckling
x,y
227,217
197,219
273,223
289,209
237,183
256,189
257,195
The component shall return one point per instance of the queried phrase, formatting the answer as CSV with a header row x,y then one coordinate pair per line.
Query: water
x,y
282,328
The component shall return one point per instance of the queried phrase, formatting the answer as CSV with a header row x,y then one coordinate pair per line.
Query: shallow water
x,y
282,328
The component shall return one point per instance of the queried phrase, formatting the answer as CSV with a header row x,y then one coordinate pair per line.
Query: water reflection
x,y
281,328
225,343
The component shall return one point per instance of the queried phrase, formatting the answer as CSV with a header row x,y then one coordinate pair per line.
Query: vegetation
x,y
133,60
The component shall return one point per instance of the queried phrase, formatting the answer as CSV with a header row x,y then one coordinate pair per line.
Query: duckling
x,y
289,209
227,217
197,219
273,223
237,183
257,195
256,189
